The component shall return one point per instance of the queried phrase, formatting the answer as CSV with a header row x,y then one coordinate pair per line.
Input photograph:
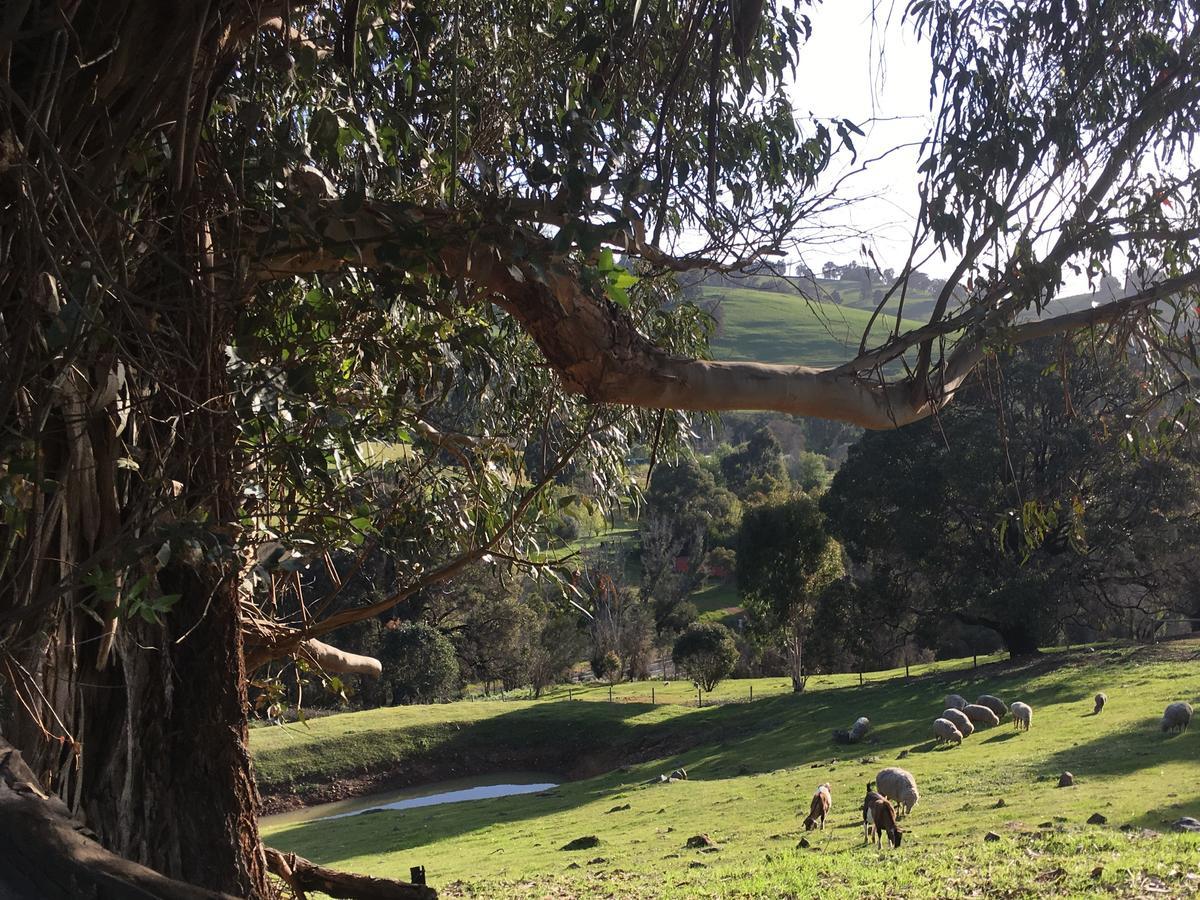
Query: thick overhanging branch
x,y
332,659
596,348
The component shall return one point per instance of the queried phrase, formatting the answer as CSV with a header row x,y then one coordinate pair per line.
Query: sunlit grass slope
x,y
753,767
765,326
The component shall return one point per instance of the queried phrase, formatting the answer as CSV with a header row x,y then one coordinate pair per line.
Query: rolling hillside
x,y
768,326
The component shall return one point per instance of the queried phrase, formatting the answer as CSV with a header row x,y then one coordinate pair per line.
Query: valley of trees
x,y
317,323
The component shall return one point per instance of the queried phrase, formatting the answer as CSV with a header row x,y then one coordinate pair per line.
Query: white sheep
x,y
1022,714
995,704
960,720
1101,699
954,701
860,728
981,715
944,731
899,786
1177,716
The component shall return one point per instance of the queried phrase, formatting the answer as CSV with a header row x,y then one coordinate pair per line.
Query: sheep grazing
x,y
981,715
819,808
1101,699
954,701
1022,714
1177,716
960,720
945,731
995,704
879,818
900,787
859,730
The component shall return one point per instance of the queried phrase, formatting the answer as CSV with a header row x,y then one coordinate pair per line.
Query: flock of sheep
x,y
894,792
960,718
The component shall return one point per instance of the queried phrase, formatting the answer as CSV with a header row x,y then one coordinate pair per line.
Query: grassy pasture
x,y
765,326
753,767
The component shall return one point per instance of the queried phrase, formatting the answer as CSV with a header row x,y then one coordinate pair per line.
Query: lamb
x,y
954,701
1177,716
819,808
960,720
879,818
981,715
1101,699
1022,714
995,704
945,731
900,786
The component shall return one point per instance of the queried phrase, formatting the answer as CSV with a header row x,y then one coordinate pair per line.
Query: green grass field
x,y
764,326
753,767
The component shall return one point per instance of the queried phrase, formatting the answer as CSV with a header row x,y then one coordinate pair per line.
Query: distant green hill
x,y
768,326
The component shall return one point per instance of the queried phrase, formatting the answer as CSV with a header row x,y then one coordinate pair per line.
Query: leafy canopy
x,y
706,652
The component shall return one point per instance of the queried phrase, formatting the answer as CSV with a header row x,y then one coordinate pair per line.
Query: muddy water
x,y
458,790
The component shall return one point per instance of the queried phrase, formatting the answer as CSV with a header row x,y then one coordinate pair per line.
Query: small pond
x,y
458,790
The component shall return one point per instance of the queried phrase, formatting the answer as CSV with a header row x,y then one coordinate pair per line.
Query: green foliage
x,y
606,666
706,653
1027,516
559,644
686,515
785,560
756,470
809,471
419,665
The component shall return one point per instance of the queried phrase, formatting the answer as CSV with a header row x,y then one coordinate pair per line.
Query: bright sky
x,y
872,71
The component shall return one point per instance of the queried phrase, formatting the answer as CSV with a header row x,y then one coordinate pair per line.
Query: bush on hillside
x,y
419,664
706,652
606,666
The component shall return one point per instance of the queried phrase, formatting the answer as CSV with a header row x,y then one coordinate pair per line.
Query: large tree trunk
x,y
140,725
113,379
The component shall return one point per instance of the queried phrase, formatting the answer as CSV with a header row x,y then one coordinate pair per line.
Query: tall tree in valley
x,y
1058,512
785,559
756,469
686,515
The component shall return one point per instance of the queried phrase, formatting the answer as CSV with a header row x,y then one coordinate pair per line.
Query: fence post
x,y
699,699
860,678
610,693
652,703
570,694
974,660
751,693
906,665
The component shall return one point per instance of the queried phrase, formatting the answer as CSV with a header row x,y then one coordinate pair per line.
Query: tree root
x,y
49,855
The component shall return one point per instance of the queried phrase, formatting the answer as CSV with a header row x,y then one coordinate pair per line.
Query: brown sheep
x,y
879,818
819,808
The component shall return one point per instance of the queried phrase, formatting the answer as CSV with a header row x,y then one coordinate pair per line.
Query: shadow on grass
x,y
1002,736
1141,745
1163,817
